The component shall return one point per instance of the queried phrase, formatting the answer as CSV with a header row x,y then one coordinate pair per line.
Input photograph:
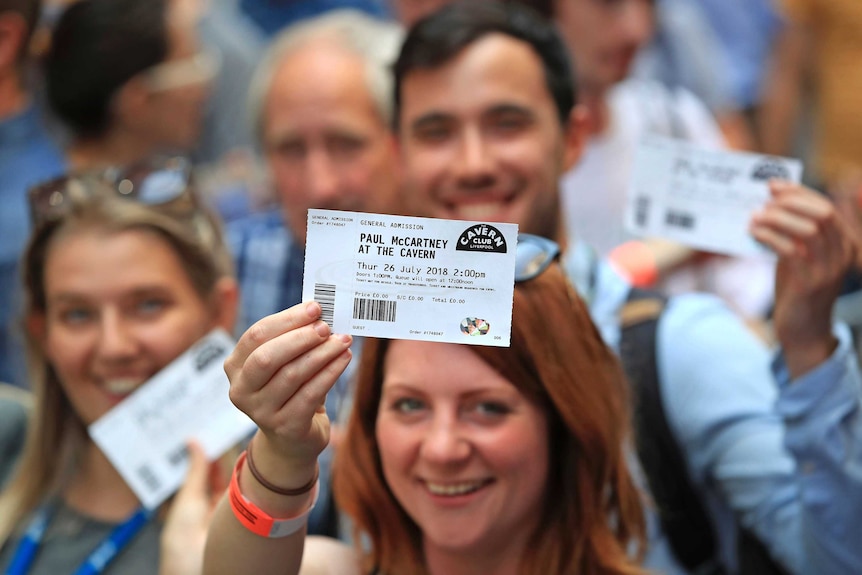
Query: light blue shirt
x,y
786,459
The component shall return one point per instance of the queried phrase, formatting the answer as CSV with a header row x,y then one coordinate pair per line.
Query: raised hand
x,y
280,372
816,249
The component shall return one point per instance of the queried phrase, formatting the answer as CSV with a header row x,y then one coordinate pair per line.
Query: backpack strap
x,y
680,510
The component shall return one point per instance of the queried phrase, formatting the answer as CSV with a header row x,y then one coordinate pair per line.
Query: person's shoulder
x,y
327,556
674,111
266,225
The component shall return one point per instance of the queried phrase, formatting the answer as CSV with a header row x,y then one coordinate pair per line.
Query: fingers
x,y
196,477
281,371
269,327
309,370
793,222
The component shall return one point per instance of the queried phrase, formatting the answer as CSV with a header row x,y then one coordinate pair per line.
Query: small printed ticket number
x,y
411,278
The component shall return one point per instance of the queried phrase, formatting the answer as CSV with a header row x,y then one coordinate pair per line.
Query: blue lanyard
x,y
96,562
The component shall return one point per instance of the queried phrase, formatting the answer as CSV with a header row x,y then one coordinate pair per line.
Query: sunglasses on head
x,y
533,256
156,182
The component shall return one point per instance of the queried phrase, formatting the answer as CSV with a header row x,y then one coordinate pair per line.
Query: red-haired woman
x,y
456,458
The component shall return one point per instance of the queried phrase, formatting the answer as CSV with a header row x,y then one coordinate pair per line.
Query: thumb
x,y
198,472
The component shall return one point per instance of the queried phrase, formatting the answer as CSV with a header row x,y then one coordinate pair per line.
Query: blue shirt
x,y
273,15
746,30
784,458
27,157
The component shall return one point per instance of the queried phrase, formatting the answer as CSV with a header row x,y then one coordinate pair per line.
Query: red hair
x,y
592,514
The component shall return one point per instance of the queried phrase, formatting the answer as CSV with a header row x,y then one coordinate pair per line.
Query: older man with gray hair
x,y
321,106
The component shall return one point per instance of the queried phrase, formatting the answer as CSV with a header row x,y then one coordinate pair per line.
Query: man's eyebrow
x,y
431,118
509,108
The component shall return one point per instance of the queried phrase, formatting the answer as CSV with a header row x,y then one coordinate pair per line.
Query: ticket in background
x,y
703,198
145,436
411,278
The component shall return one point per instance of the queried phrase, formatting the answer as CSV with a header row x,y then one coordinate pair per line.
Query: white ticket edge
x,y
412,278
736,183
145,435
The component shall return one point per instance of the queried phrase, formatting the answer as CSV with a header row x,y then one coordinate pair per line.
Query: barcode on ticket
x,y
178,456
374,309
642,207
324,294
149,478
681,220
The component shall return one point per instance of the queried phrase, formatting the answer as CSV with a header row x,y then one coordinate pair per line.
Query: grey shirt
x,y
71,537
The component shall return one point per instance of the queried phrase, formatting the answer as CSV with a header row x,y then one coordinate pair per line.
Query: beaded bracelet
x,y
275,488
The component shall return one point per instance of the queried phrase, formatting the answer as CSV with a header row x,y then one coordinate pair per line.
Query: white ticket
x,y
411,278
145,436
703,198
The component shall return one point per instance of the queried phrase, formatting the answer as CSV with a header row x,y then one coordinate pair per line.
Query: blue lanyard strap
x,y
98,559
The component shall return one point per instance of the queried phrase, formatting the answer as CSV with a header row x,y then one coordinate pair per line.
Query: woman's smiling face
x,y
119,307
464,452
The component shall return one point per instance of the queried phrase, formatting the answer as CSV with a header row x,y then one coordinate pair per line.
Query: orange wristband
x,y
636,261
258,521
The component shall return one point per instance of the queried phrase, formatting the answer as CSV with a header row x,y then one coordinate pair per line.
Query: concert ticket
x,y
411,278
703,198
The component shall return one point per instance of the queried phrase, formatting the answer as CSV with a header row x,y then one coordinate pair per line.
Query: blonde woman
x,y
122,274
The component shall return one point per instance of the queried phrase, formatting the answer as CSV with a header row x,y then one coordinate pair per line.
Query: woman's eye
x,y
408,405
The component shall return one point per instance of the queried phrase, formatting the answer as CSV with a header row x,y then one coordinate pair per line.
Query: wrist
x,y
635,261
273,463
802,358
261,522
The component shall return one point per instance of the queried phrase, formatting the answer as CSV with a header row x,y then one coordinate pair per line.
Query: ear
x,y
576,133
131,100
225,303
13,29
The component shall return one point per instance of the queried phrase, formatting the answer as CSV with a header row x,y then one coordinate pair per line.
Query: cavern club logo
x,y
482,238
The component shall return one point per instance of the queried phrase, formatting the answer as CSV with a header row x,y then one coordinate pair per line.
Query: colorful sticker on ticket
x,y
703,198
411,278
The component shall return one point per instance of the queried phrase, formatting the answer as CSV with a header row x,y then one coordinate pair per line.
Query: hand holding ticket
x,y
411,278
702,198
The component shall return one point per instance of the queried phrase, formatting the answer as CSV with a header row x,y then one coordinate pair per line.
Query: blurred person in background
x,y
811,107
116,289
321,108
128,78
28,155
604,39
819,47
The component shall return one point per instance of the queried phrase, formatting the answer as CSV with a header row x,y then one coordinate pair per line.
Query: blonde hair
x,y
56,435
